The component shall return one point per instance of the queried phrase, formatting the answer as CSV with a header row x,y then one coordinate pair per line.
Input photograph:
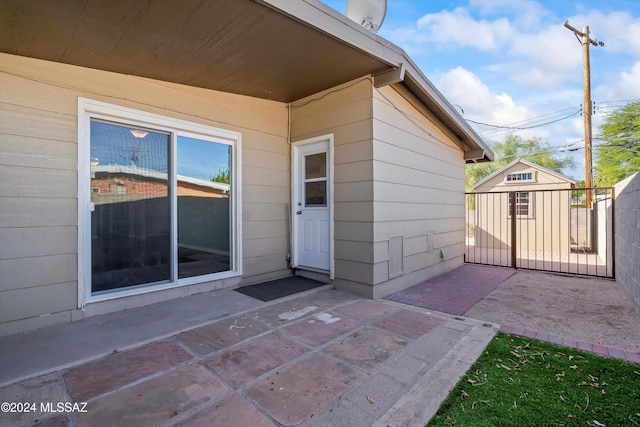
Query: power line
x,y
525,127
540,120
536,118
608,107
563,149
534,153
533,122
631,149
620,101
619,138
542,117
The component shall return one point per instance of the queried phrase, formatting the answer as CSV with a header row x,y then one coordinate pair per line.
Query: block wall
x,y
627,237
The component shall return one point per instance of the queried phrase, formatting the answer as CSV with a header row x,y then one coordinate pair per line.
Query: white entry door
x,y
313,204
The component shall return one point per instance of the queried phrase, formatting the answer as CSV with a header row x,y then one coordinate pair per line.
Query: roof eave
x,y
476,150
322,17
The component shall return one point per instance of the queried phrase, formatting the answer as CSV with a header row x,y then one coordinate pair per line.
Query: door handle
x,y
299,212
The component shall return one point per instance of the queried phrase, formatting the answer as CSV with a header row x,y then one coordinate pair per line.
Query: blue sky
x,y
513,63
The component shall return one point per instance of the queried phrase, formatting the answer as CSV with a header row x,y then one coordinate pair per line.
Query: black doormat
x,y
280,288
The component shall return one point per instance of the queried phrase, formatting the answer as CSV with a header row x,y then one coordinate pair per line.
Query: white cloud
x,y
577,125
461,29
465,89
626,86
531,52
597,120
411,40
526,13
505,61
547,57
618,30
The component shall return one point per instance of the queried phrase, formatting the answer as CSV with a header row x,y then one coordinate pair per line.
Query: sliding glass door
x,y
161,203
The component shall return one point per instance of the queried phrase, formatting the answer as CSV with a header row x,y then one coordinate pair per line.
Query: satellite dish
x,y
368,13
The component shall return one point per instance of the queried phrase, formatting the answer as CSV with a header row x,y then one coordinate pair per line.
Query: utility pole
x,y
586,106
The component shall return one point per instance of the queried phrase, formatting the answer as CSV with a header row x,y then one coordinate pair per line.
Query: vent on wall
x,y
396,256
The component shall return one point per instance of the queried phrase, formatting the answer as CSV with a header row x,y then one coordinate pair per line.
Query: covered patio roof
x,y
281,50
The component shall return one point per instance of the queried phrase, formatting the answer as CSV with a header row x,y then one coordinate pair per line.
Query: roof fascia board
x,y
474,155
447,110
395,75
337,25
423,108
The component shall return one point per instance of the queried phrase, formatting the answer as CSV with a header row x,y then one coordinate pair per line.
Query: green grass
x,y
525,382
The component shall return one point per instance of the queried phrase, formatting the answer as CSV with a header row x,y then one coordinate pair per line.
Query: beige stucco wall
x,y
398,181
38,181
419,194
399,187
346,113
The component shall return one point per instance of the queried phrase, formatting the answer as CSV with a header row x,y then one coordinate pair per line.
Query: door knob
x,y
299,212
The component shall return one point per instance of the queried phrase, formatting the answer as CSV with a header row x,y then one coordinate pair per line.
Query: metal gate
x,y
550,230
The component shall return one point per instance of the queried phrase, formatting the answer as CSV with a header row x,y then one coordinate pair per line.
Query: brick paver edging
x,y
593,348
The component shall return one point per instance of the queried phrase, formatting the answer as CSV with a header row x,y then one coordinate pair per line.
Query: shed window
x,y
523,204
522,176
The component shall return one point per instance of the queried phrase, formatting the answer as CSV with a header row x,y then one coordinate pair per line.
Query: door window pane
x,y
131,224
315,193
315,166
315,180
204,209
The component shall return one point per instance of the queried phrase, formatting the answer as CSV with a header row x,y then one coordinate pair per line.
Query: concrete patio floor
x,y
319,358
584,312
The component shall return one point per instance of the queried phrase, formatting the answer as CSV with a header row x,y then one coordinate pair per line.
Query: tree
x,y
514,147
618,155
221,176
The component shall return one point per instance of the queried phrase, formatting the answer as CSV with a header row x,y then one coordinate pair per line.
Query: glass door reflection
x,y
131,222
204,209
